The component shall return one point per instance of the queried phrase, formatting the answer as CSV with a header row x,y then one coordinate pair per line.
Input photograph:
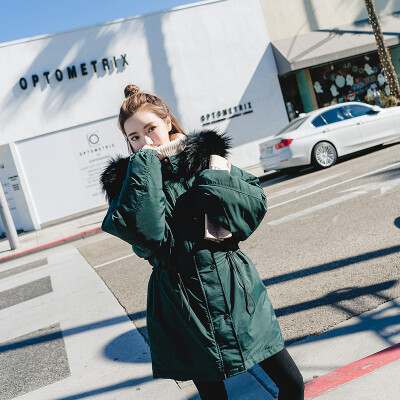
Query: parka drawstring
x,y
184,295
234,267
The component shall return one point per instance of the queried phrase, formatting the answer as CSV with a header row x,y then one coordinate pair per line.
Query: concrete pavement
x,y
354,359
53,235
65,336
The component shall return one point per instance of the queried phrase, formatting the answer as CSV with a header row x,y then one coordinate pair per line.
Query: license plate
x,y
267,150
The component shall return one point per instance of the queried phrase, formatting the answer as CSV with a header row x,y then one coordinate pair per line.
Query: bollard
x,y
8,222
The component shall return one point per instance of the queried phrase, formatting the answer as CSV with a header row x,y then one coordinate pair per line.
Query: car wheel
x,y
323,155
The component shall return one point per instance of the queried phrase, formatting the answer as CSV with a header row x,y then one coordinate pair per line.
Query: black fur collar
x,y
194,158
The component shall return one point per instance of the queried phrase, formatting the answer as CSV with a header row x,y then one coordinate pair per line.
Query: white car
x,y
321,136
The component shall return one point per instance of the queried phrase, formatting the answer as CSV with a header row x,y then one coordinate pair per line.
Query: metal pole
x,y
8,222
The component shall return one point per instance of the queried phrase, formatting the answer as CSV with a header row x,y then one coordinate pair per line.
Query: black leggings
x,y
280,368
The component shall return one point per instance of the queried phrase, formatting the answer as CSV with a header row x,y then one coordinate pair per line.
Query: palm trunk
x,y
383,51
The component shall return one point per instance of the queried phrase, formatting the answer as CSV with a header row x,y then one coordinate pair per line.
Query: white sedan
x,y
321,136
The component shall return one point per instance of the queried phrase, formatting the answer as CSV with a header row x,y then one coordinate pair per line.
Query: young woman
x,y
208,313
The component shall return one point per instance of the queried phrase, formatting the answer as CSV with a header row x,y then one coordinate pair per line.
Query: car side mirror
x,y
374,110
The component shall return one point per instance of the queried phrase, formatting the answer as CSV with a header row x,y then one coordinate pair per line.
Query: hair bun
x,y
130,90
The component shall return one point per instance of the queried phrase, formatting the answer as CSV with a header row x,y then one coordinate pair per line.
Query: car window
x,y
333,116
319,121
291,126
356,110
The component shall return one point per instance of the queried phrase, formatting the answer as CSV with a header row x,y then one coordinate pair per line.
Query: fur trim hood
x,y
194,158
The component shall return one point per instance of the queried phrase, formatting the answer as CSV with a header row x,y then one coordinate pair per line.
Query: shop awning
x,y
328,45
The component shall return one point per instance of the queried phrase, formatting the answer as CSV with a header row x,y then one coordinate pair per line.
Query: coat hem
x,y
222,375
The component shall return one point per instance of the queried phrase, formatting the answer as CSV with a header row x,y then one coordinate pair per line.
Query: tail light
x,y
283,143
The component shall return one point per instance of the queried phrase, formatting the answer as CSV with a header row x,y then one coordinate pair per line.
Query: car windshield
x,y
293,125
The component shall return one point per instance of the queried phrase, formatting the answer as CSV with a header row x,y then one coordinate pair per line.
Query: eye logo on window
x,y
93,139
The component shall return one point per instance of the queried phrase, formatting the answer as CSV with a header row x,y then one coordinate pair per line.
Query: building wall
x,y
288,18
229,63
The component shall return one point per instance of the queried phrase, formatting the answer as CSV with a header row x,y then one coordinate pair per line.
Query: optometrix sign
x,y
227,113
74,71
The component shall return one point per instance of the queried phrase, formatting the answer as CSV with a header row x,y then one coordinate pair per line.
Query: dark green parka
x,y
208,313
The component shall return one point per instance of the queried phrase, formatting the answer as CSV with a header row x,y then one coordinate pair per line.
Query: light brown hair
x,y
136,100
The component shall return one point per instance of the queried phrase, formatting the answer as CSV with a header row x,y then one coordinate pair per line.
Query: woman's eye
x,y
134,138
151,129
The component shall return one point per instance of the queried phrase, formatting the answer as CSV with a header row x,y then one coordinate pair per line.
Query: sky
x,y
26,18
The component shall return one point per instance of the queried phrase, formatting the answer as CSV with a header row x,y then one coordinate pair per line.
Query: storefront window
x,y
355,79
291,95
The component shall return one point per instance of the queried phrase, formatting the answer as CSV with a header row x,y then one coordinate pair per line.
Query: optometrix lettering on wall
x,y
226,113
105,65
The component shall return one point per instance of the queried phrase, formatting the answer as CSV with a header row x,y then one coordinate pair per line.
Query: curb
x,y
351,372
55,243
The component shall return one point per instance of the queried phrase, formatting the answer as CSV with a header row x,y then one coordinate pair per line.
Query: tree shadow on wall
x,y
76,48
267,114
82,47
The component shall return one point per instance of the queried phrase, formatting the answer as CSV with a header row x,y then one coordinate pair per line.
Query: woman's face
x,y
146,128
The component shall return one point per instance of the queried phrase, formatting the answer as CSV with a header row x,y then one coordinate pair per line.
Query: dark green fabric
x,y
208,313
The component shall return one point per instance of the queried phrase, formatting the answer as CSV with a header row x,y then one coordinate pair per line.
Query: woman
x,y
208,313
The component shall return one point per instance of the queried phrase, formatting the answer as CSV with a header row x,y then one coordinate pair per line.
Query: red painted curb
x,y
57,242
352,371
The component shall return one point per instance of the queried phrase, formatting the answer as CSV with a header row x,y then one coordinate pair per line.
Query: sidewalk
x,y
53,235
358,359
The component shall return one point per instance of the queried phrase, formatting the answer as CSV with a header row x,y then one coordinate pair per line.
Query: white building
x,y
211,61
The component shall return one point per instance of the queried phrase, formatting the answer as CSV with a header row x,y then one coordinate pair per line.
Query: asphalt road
x,y
327,250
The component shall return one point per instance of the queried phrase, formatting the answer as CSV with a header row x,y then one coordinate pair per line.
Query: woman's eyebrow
x,y
134,133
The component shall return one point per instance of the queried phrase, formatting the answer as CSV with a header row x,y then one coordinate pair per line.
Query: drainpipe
x,y
8,222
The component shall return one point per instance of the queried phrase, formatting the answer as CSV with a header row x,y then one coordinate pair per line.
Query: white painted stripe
x,y
309,185
113,261
315,208
334,185
382,186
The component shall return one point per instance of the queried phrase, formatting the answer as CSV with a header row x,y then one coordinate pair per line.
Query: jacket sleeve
x,y
138,216
233,199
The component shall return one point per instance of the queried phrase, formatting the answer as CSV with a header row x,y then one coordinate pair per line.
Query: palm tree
x,y
384,54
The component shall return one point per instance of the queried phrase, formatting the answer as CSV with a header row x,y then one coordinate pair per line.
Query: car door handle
x,y
360,122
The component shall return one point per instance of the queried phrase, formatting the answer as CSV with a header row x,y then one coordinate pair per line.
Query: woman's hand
x,y
146,146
